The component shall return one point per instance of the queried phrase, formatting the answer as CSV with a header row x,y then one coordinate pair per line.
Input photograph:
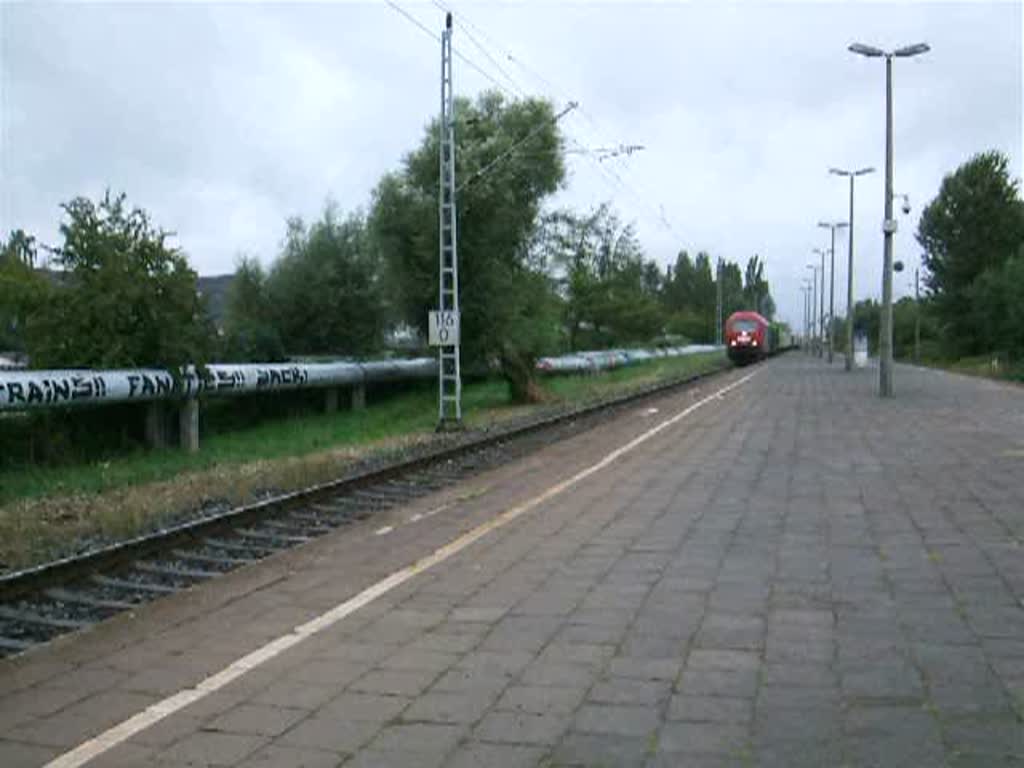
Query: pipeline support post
x,y
331,400
156,425
359,397
188,425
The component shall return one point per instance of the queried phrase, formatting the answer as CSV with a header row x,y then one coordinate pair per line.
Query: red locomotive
x,y
748,337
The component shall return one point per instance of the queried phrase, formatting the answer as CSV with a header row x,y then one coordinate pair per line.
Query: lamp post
x,y
889,225
805,289
814,305
832,225
849,268
821,309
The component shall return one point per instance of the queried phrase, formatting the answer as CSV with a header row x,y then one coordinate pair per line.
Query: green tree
x,y
325,289
508,161
756,293
612,295
249,331
997,306
126,298
733,296
975,224
22,289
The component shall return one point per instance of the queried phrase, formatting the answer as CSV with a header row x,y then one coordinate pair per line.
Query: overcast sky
x,y
224,119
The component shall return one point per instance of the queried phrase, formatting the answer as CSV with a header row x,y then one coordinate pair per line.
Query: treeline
x,y
533,280
972,270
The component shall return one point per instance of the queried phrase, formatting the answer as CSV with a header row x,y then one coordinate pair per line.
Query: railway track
x,y
41,603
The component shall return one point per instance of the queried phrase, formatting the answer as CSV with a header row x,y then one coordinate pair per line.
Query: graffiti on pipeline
x,y
46,390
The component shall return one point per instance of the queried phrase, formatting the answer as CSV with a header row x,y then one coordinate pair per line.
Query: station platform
x,y
773,568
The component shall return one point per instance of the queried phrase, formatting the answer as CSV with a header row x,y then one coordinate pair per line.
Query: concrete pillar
x,y
188,425
358,397
156,425
331,399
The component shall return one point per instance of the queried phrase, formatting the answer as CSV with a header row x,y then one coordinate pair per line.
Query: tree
x,y
733,297
756,294
249,330
325,289
975,224
126,298
508,161
22,289
612,295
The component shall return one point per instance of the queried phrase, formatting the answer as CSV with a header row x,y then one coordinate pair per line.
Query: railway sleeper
x,y
299,527
80,598
258,550
134,586
31,617
161,569
13,645
285,539
227,562
318,515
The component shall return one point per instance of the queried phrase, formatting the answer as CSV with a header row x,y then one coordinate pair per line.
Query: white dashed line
x,y
384,530
153,714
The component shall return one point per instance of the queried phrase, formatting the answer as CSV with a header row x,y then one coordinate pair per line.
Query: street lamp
x,y
849,270
805,289
889,225
832,225
814,303
821,299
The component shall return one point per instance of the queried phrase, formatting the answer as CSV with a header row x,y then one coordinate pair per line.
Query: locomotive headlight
x,y
754,342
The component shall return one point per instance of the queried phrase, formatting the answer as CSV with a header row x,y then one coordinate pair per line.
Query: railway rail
x,y
71,594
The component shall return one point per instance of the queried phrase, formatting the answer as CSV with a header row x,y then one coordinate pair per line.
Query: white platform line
x,y
123,731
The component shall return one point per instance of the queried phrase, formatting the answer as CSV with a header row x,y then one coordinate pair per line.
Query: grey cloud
x,y
222,120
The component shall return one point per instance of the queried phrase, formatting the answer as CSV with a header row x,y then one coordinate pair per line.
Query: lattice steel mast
x,y
449,373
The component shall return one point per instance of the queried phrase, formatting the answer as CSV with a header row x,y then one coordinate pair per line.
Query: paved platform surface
x,y
795,574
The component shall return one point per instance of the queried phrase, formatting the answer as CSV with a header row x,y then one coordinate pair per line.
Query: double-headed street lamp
x,y
832,225
821,297
814,301
889,225
849,270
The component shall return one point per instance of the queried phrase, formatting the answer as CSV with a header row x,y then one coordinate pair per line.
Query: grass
x,y
52,511
984,366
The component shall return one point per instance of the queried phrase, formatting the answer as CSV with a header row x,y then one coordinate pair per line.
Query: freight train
x,y
749,337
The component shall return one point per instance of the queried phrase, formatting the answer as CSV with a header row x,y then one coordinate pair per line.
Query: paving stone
x,y
294,695
331,733
728,739
15,754
371,707
645,668
541,699
207,749
413,659
521,728
711,709
726,630
417,737
563,675
617,720
601,750
625,690
893,736
394,682
258,719
479,755
443,707
291,757
375,758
